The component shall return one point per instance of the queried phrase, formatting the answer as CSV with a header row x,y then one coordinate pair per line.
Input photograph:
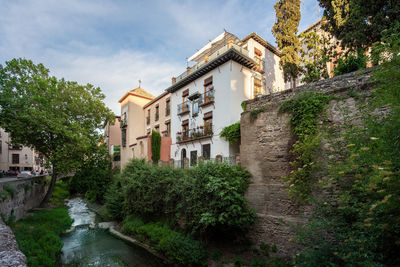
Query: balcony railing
x,y
148,120
123,123
195,133
184,107
208,96
212,57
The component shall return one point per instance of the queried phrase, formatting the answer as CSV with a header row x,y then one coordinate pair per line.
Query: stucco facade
x,y
208,96
112,139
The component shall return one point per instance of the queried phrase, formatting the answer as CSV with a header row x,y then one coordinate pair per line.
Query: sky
x,y
112,44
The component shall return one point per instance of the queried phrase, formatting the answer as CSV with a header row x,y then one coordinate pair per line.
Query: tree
x,y
360,23
58,118
155,146
285,31
315,52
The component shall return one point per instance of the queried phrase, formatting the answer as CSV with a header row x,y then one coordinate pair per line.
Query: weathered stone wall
x,y
265,151
29,192
10,255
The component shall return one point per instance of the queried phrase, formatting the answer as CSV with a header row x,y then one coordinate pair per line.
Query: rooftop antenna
x,y
140,83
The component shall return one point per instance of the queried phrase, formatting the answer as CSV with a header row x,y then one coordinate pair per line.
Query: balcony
x,y
123,123
14,147
207,98
148,120
195,134
183,108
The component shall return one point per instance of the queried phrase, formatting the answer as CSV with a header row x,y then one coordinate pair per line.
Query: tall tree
x,y
58,118
285,31
360,23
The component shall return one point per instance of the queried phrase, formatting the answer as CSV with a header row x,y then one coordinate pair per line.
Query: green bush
x,y
114,199
38,236
131,224
60,193
3,195
351,63
209,197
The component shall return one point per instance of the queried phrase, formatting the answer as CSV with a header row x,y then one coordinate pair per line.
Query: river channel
x,y
89,245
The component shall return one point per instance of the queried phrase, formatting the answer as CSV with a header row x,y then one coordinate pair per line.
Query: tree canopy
x,y
285,31
58,118
360,23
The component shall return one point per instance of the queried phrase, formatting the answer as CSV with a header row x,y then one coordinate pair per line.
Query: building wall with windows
x,y
132,121
112,139
16,157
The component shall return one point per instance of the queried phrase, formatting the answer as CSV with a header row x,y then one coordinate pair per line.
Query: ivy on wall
x,y
306,109
231,133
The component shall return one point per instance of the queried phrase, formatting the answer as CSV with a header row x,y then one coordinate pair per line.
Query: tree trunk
x,y
293,82
50,190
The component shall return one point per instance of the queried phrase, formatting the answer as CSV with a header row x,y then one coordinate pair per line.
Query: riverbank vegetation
x,y
173,208
38,235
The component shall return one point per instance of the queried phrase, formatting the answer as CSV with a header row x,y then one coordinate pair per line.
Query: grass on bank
x,y
38,235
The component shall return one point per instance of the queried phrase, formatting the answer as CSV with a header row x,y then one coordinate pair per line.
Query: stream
x,y
89,245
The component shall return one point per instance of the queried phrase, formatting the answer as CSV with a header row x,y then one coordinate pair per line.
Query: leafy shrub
x,y
131,224
114,199
351,63
38,236
3,195
10,189
60,193
231,133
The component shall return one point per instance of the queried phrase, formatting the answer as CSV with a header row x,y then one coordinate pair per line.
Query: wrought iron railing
x,y
208,96
195,133
183,107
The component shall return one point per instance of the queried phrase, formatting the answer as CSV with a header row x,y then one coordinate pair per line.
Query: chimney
x,y
206,58
173,80
230,43
188,70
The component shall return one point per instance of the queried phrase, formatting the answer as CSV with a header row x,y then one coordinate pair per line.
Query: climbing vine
x,y
305,109
231,133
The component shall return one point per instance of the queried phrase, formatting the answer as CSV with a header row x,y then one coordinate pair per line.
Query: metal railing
x,y
212,57
208,96
194,133
183,107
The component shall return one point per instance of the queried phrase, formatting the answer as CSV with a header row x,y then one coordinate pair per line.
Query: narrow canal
x,y
92,246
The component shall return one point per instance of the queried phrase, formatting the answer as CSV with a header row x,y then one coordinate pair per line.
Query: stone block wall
x,y
29,192
266,142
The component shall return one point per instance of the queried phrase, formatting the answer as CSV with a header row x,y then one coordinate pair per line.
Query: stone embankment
x,y
266,142
10,255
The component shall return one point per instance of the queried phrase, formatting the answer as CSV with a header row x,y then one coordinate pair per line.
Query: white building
x,y
208,96
16,157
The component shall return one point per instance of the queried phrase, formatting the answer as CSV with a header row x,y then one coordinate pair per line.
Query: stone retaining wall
x,y
28,194
266,142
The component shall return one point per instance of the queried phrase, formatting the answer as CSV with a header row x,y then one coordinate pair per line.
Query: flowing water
x,y
91,246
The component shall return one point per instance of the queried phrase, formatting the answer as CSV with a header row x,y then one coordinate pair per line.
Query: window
x,y
15,158
157,113
208,123
168,126
193,158
185,106
123,137
257,88
148,117
195,108
208,90
26,156
185,130
167,107
206,151
257,58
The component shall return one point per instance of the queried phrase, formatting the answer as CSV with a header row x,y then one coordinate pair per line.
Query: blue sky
x,y
113,44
